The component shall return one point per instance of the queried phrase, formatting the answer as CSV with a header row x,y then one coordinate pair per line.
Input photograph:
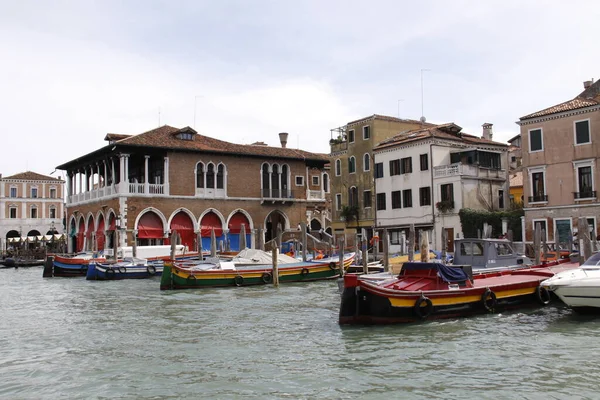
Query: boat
x,y
128,268
488,254
182,275
20,262
578,288
432,290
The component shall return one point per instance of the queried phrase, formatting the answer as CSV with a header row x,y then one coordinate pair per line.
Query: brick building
x,y
176,179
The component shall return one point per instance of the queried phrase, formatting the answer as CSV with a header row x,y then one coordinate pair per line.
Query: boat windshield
x,y
593,261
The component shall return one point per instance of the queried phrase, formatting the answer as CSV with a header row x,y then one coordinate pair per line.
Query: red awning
x,y
90,229
150,227
80,235
100,234
210,221
113,223
236,221
185,228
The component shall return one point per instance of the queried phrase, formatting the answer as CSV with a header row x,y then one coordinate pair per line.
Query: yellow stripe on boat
x,y
453,300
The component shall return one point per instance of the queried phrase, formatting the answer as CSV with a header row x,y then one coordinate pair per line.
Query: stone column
x,y
166,174
146,182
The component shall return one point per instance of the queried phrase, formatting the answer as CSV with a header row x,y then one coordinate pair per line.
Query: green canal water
x,y
76,339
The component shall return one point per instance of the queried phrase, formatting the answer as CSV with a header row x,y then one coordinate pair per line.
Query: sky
x,y
243,71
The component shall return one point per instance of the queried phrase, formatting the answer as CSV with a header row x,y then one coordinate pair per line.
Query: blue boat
x,y
128,268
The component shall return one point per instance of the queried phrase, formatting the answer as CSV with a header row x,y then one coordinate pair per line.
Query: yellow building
x,y
516,187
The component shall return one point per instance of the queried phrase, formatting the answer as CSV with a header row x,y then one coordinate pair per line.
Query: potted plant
x,y
444,205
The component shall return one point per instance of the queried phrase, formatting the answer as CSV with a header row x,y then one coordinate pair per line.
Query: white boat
x,y
578,288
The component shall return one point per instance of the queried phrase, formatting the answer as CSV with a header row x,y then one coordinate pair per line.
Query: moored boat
x,y
71,266
433,290
128,268
578,288
183,276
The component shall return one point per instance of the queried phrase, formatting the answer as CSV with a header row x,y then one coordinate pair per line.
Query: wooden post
x,y
304,241
275,257
375,245
386,250
510,237
116,244
134,248
444,244
570,242
48,267
544,245
357,249
402,242
341,243
199,244
411,243
537,235
587,243
478,233
365,251
173,244
260,239
557,243
424,246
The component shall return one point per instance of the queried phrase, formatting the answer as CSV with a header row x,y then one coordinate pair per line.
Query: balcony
x,y
274,195
540,198
338,146
315,195
459,169
586,195
107,191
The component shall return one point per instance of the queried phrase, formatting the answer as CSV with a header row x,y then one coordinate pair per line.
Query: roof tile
x,y
31,176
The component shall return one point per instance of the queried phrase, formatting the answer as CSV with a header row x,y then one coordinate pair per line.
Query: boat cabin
x,y
487,253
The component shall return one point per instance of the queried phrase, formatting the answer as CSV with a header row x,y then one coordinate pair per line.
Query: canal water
x,y
75,339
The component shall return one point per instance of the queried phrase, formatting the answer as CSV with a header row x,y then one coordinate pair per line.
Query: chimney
x,y
587,84
283,137
487,131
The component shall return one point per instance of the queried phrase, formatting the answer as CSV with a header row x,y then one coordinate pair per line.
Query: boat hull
x,y
106,272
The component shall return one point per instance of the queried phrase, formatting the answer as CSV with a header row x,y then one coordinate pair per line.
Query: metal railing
x,y
538,198
588,194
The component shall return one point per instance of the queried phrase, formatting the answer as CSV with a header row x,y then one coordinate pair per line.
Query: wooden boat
x,y
182,276
20,262
433,290
128,268
71,266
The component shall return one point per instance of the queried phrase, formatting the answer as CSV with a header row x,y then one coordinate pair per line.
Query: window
x,y
542,224
353,197
299,180
407,198
52,193
220,174
380,201
447,192
326,183
351,136
34,193
471,249
424,162
13,192
425,196
537,187
582,132
378,170
338,201
592,226
396,199
395,236
366,132
210,176
367,162
200,175
367,199
52,212
186,136
315,181
12,212
33,212
406,165
536,142
501,199
338,167
394,167
584,181
352,165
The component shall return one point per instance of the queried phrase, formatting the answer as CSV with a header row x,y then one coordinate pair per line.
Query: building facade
x,y
352,180
561,152
31,205
167,179
425,176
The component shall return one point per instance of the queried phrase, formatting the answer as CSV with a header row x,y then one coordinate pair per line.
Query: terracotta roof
x,y
387,118
166,137
589,97
449,131
32,176
516,179
113,137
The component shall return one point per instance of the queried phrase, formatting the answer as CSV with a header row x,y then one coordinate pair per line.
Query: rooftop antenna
x,y
422,112
399,107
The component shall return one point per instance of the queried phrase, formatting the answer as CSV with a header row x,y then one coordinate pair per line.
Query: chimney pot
x,y
487,131
587,84
283,138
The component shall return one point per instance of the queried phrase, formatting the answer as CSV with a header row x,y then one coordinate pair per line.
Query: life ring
x,y
151,269
488,299
267,277
239,280
332,266
122,270
423,307
543,295
304,272
110,273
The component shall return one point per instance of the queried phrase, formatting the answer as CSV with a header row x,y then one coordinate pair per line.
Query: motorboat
x,y
578,288
127,268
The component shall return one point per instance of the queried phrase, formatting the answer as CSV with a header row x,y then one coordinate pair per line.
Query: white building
x,y
425,176
31,205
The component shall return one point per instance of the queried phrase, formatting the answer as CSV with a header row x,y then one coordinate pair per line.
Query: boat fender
x,y
239,280
151,269
332,266
122,270
423,307
543,295
304,272
110,273
267,277
488,299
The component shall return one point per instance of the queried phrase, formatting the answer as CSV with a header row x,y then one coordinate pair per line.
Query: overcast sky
x,y
73,71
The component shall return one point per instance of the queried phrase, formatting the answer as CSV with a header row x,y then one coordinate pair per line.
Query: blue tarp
x,y
447,273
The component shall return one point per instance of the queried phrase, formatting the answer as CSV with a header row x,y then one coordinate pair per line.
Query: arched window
x,y
351,165
200,175
326,183
353,196
52,212
220,175
266,180
367,162
338,167
210,176
275,181
285,186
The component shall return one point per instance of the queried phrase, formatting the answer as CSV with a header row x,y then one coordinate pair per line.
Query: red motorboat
x,y
433,290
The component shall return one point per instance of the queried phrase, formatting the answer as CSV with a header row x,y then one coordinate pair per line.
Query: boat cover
x,y
447,273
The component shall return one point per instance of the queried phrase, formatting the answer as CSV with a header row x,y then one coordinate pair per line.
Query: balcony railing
x,y
459,169
588,194
338,146
277,194
538,198
131,188
315,195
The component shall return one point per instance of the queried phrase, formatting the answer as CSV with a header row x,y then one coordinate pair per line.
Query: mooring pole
x,y
275,257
